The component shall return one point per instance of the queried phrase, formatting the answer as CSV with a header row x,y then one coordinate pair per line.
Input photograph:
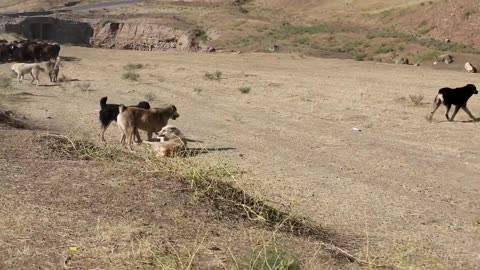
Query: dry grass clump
x,y
131,66
216,76
71,148
270,258
130,75
150,96
416,100
215,181
244,90
197,90
5,81
83,86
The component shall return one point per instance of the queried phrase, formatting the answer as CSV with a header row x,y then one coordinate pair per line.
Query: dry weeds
x,y
244,90
130,75
5,81
150,96
216,76
416,100
131,66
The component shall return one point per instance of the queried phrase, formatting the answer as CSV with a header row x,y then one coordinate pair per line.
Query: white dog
x,y
172,142
21,69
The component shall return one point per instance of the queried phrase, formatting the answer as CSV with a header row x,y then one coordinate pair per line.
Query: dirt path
x,y
407,187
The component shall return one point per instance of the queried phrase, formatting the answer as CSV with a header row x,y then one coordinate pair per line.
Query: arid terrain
x,y
314,152
402,192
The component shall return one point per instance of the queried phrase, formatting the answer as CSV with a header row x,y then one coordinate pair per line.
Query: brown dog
x,y
152,120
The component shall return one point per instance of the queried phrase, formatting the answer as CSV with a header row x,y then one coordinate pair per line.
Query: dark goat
x,y
454,96
4,53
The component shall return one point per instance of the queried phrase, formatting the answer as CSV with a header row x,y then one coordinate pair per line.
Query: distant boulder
x,y
446,58
402,61
274,48
470,68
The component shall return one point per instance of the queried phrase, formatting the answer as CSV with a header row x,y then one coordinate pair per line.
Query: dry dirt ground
x,y
403,191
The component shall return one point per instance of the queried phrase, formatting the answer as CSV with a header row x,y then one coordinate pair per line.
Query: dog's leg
x,y
33,76
457,107
149,135
468,112
129,138
137,136
435,108
37,73
449,106
102,133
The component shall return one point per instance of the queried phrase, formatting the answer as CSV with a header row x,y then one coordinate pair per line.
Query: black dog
x,y
456,96
109,113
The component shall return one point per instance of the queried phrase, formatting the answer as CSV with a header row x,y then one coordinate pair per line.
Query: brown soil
x,y
116,215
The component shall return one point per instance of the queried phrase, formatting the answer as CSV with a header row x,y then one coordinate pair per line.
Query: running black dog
x,y
454,96
109,113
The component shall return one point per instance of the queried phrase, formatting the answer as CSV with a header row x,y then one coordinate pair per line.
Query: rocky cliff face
x,y
144,36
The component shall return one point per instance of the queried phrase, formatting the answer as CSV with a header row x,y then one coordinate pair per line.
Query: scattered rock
x,y
447,40
402,61
446,58
274,48
435,62
470,68
417,64
211,49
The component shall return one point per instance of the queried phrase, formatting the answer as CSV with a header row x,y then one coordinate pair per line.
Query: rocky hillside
x,y
360,29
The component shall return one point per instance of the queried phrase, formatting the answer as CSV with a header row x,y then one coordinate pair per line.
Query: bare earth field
x,y
402,192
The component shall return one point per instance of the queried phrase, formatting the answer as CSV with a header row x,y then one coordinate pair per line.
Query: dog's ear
x,y
173,107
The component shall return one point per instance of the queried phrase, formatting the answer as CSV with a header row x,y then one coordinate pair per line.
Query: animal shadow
x,y
191,152
70,58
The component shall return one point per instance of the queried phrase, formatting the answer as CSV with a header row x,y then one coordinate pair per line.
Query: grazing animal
x,y
53,69
21,69
454,96
173,143
109,113
4,52
152,120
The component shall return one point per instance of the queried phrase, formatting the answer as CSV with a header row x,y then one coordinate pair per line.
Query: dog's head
x,y
169,131
472,88
173,112
143,105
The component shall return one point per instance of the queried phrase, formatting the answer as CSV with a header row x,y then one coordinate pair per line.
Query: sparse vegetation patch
x,y
5,81
131,66
150,97
130,75
416,100
216,76
244,90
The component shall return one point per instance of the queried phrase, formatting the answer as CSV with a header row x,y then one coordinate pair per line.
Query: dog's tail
x,y
103,102
192,140
40,68
122,108
57,63
438,99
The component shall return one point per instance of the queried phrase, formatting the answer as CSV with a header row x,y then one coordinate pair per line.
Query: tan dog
x,y
21,69
53,69
173,143
152,120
